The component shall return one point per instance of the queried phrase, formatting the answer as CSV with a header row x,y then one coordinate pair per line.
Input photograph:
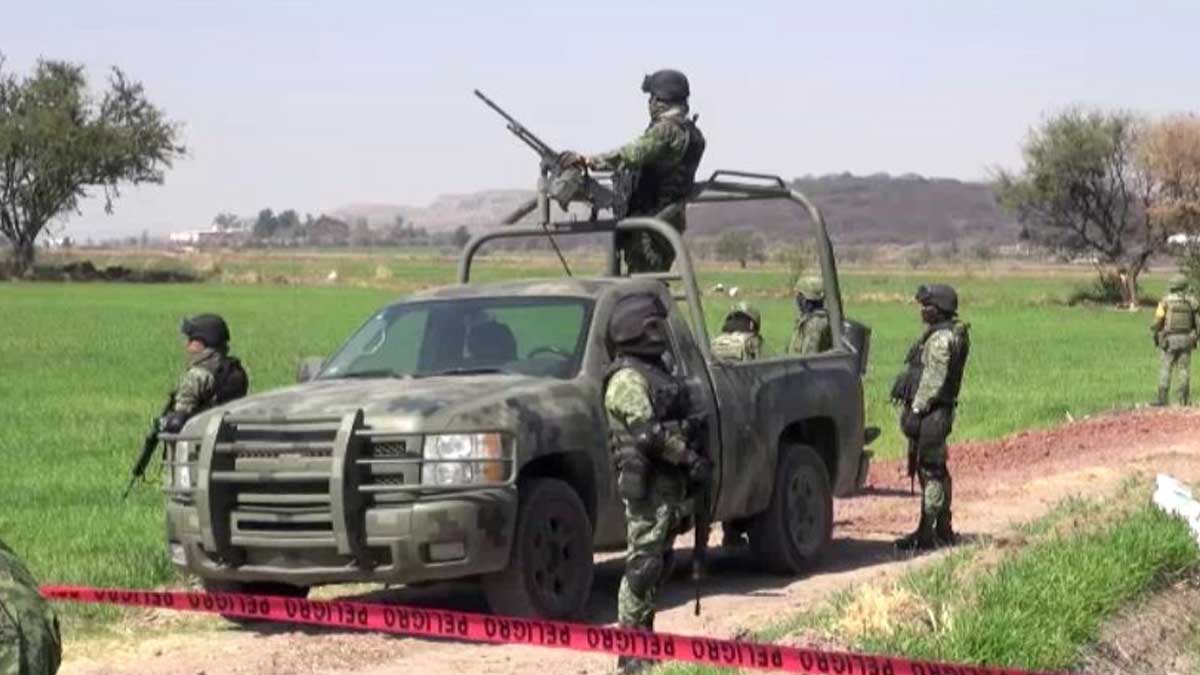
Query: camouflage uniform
x,y
664,159
740,339
929,391
1175,329
197,387
30,643
653,521
812,334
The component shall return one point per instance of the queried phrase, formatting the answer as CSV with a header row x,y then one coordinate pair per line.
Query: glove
x,y
568,159
699,469
910,423
172,423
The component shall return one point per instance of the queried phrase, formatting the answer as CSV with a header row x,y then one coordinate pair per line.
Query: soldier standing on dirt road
x,y
658,168
655,466
812,334
1175,330
30,643
212,378
928,390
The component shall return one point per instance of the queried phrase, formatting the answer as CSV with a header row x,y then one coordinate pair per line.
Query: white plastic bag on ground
x,y
1175,498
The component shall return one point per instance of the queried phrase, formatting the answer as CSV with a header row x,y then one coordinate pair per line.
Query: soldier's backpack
x,y
230,381
737,346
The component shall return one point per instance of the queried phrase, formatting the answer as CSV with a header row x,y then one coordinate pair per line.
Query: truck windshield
x,y
542,336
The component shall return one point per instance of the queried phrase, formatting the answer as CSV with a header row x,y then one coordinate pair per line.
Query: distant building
x,y
214,236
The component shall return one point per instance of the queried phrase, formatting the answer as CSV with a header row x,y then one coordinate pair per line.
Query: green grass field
x,y
84,367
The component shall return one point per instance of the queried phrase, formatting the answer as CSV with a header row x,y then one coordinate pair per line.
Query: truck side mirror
x,y
308,368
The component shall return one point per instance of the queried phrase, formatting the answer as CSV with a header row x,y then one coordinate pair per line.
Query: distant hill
x,y
875,209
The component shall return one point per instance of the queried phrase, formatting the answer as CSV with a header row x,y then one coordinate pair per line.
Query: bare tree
x,y
57,141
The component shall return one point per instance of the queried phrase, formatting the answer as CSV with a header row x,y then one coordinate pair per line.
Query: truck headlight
x,y
447,459
183,470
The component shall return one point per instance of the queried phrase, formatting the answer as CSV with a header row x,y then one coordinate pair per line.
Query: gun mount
x,y
560,181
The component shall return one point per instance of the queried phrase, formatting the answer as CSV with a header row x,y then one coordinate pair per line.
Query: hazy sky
x,y
313,105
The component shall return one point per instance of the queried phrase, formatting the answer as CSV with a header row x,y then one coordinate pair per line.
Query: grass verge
x,y
1035,603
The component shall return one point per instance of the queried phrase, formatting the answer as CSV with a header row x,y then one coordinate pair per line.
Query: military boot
x,y
921,539
1184,396
944,531
1162,397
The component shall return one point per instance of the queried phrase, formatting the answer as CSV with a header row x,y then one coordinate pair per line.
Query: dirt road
x,y
997,484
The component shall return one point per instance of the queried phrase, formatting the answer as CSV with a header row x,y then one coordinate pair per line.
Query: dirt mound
x,y
1153,637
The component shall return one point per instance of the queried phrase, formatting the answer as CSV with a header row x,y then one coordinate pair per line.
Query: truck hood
x,y
420,404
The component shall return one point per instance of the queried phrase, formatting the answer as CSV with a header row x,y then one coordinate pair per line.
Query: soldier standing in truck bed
x,y
660,164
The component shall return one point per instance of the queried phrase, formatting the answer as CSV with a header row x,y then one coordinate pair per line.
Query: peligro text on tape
x,y
440,623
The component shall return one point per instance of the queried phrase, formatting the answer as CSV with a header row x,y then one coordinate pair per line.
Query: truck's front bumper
x,y
458,535
319,500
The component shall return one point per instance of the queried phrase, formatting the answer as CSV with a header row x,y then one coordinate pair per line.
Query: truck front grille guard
x,y
362,464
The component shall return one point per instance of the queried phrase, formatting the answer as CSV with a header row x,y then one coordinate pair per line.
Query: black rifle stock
x,y
148,445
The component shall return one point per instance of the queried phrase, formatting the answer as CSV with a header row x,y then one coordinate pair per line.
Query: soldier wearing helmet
x,y
812,334
659,165
213,376
741,335
928,391
1175,330
655,463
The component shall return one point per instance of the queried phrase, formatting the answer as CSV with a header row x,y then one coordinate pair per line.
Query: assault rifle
x,y
564,184
148,445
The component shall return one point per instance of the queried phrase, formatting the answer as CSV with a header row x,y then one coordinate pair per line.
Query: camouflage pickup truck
x,y
460,432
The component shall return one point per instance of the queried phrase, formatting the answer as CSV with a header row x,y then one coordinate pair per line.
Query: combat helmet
x,y
747,310
1178,282
938,295
638,326
667,85
209,329
810,287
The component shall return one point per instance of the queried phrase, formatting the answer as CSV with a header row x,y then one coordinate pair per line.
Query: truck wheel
x,y
252,588
798,523
549,575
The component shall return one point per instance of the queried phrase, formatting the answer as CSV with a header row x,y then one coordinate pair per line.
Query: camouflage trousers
x,y
30,643
646,252
932,453
1172,360
936,492
651,525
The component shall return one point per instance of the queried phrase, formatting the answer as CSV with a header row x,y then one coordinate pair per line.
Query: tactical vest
x,y
736,346
904,389
816,320
663,182
230,381
1181,314
668,396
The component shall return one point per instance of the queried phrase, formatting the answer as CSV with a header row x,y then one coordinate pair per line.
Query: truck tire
x,y
252,588
798,524
549,573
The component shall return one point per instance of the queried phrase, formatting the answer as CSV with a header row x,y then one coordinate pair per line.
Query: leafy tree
x,y
1083,191
227,221
265,225
58,142
287,224
460,237
740,245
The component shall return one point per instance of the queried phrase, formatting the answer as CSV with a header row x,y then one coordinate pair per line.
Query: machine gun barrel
x,y
519,129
